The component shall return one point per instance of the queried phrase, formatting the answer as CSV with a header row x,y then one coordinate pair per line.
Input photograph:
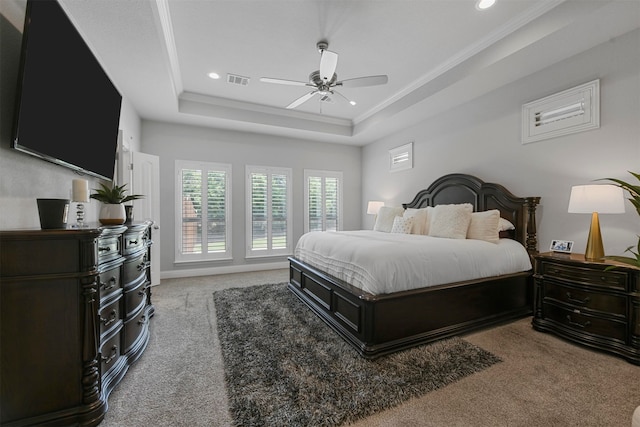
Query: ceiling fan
x,y
325,79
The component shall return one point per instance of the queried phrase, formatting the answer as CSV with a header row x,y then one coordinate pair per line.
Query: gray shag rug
x,y
285,366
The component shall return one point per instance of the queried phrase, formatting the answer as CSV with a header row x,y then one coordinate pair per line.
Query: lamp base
x,y
595,249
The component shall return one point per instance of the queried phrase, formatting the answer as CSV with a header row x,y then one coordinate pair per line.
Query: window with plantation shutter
x,y
323,201
269,226
203,211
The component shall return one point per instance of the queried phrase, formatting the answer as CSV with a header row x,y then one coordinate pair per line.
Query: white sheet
x,y
381,263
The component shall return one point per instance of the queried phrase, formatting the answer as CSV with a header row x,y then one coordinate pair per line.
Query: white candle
x,y
80,190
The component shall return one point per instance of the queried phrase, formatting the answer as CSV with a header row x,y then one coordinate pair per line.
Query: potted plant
x,y
634,192
113,199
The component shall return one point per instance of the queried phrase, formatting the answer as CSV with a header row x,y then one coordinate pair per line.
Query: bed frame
x,y
381,324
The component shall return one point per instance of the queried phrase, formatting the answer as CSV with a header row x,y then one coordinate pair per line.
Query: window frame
x,y
269,252
324,174
205,167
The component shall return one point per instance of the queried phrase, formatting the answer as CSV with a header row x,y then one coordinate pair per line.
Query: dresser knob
x,y
112,318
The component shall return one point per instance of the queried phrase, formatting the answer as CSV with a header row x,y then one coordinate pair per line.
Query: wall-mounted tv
x,y
67,108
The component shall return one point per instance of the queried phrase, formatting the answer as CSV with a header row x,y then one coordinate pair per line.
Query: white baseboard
x,y
245,268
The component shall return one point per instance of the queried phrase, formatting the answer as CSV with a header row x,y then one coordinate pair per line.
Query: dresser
x,y
75,308
587,303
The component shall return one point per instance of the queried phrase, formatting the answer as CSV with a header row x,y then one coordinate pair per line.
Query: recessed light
x,y
352,102
214,76
484,4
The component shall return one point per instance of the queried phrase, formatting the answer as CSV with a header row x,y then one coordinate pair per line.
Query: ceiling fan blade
x,y
328,64
364,81
304,98
283,82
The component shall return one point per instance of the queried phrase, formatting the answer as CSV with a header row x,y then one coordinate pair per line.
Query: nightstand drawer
x,y
586,323
586,299
586,276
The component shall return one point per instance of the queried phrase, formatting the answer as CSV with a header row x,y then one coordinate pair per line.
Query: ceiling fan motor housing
x,y
316,80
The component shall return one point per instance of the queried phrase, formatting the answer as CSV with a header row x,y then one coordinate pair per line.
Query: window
x,y
269,225
203,211
322,201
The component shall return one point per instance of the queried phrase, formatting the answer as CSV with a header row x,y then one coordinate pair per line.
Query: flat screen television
x,y
67,108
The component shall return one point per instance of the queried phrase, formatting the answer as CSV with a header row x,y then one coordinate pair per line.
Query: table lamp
x,y
80,195
595,199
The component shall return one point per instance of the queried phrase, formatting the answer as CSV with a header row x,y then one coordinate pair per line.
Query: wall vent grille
x,y
237,80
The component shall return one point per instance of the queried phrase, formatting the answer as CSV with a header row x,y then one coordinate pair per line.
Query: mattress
x,y
383,263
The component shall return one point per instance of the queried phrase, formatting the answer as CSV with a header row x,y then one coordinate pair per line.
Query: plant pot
x,y
53,213
112,214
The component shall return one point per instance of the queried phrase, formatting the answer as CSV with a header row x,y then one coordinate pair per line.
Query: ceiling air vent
x,y
237,80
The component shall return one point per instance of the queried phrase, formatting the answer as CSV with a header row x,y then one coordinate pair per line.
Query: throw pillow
x,y
384,220
484,226
451,221
402,225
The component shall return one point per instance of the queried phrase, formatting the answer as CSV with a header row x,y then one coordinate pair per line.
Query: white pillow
x,y
384,220
484,226
402,225
505,225
451,221
420,219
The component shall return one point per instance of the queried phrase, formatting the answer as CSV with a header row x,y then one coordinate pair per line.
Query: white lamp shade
x,y
373,207
603,199
80,190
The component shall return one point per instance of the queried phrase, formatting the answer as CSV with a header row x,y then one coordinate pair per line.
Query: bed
x,y
376,324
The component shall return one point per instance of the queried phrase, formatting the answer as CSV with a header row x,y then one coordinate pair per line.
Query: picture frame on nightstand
x,y
564,246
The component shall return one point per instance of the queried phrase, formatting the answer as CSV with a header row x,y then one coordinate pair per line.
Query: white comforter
x,y
381,263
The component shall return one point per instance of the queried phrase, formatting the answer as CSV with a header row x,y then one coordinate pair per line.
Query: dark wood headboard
x,y
460,188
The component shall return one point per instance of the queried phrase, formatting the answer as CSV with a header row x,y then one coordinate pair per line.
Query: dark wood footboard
x,y
380,324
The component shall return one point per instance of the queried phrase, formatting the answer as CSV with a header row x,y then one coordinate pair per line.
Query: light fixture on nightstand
x,y
373,207
594,199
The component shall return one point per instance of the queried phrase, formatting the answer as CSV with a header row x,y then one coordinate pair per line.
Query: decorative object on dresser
x,y
587,302
594,199
80,195
74,316
53,213
381,323
113,199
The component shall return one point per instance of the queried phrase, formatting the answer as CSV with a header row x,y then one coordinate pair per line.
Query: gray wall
x,y
482,138
24,178
178,142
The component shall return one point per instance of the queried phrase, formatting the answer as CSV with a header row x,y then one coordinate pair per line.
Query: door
x,y
145,177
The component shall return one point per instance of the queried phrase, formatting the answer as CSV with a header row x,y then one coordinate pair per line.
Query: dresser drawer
x,y
135,330
110,351
108,248
586,299
134,242
579,321
135,298
134,269
109,317
591,277
109,282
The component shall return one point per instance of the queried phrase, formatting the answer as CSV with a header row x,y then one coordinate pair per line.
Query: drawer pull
x,y
580,325
114,354
142,266
112,282
142,291
142,321
576,300
104,248
133,242
112,318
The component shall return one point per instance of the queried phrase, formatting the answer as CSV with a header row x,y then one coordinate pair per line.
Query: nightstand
x,y
578,300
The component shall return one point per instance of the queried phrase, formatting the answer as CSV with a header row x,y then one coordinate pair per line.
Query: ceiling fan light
x,y
484,4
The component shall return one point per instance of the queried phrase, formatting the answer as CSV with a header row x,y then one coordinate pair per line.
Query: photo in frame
x,y
565,246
